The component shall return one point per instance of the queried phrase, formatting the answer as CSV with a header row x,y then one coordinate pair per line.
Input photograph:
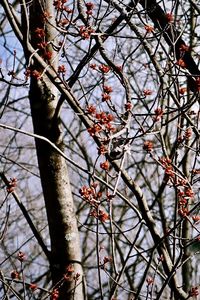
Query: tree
x,y
109,188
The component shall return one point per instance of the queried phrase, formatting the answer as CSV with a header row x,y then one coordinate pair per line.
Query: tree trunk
x,y
64,236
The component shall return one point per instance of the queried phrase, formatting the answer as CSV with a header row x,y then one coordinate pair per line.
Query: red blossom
x,y
61,69
63,22
89,12
182,90
102,150
194,292
21,256
107,89
104,118
59,4
90,195
119,68
85,32
165,161
89,5
107,259
169,171
149,28
91,109
33,286
67,9
104,69
14,275
169,17
103,216
147,92
12,185
46,15
47,55
149,280
181,63
40,33
54,294
70,269
148,146
128,106
105,165
110,118
189,193
188,133
110,128
184,48
27,73
158,114
183,212
93,66
182,202
42,45
36,74
95,129
106,97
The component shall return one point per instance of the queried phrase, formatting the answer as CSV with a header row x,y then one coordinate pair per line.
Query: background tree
x,y
113,89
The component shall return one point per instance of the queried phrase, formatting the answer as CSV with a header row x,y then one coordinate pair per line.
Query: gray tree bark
x,y
64,236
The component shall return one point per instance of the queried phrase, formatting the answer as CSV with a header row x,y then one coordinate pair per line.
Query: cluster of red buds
x,y
183,197
106,93
188,134
91,195
158,114
60,6
169,170
149,28
61,69
181,63
104,68
90,7
183,48
12,185
103,122
33,286
85,32
128,106
105,165
169,17
186,137
182,90
149,281
34,73
68,276
194,292
14,274
40,34
106,260
21,256
100,215
148,146
103,149
54,294
147,92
